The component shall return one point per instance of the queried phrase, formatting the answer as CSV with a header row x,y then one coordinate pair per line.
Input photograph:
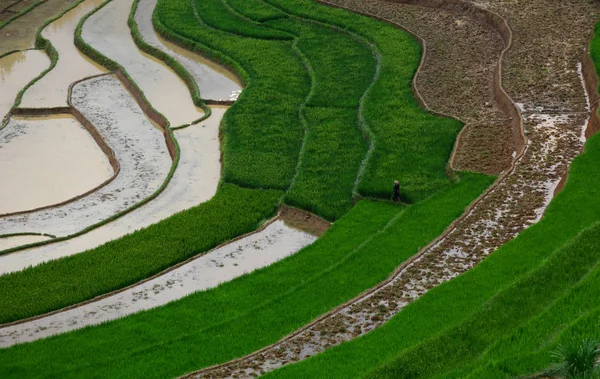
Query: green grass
x,y
451,326
232,212
360,250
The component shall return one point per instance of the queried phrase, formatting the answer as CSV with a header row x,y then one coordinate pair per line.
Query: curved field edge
x,y
22,13
232,212
416,153
445,131
487,322
170,139
258,309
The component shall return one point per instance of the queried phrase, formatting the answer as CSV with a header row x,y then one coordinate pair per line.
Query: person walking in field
x,y
396,197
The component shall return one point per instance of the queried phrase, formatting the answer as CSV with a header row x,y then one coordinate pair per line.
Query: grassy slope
x,y
422,340
250,312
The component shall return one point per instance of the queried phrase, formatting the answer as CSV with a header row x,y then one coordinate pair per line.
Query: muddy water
x,y
215,82
20,34
7,243
108,32
16,70
48,160
52,89
195,181
139,148
274,243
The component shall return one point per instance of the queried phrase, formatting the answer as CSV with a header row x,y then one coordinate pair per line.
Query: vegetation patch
x,y
358,251
57,284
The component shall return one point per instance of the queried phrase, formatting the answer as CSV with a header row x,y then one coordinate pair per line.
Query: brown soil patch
x,y
303,220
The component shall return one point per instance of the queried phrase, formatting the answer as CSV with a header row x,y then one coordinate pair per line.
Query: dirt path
x,y
214,81
542,72
53,89
223,264
195,181
107,31
140,150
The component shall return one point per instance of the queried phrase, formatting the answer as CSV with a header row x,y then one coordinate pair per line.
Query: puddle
x,y
16,70
52,90
139,148
20,33
48,160
214,81
195,181
7,243
108,32
274,243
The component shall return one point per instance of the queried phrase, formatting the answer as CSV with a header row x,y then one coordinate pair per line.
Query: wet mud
x,y
107,31
48,160
223,264
52,90
215,82
139,148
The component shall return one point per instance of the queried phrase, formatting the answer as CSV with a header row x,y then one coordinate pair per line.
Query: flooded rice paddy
x,y
16,71
20,33
48,160
52,90
107,31
10,242
214,81
195,181
139,148
235,259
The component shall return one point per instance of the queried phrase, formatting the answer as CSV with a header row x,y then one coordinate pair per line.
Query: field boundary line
x,y
270,221
412,259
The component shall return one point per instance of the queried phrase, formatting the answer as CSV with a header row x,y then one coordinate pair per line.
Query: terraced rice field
x,y
204,188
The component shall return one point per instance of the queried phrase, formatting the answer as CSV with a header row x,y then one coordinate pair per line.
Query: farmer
x,y
396,191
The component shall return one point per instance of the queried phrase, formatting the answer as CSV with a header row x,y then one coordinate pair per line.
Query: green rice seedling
x,y
262,133
565,239
256,10
56,284
240,316
217,15
329,162
343,67
408,144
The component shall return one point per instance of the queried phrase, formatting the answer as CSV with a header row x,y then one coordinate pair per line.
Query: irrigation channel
x,y
555,116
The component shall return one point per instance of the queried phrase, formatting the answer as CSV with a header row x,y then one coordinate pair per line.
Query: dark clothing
x,y
396,192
